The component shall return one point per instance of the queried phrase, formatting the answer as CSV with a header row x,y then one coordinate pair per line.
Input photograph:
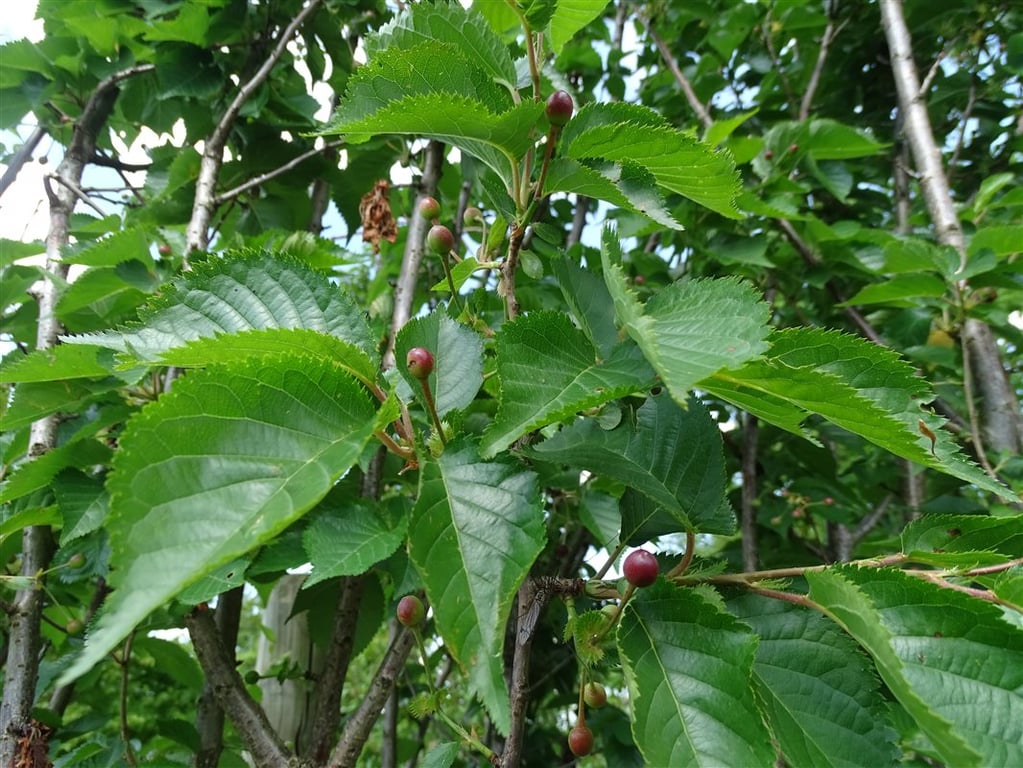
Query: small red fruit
x,y
594,695
640,568
580,740
559,108
163,249
768,155
439,239
419,362
828,501
429,208
793,147
411,611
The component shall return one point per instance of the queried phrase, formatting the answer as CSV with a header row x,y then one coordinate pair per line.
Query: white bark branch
x,y
197,233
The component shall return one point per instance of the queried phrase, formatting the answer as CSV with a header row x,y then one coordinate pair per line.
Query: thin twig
x,y
263,178
21,157
750,433
78,191
124,661
683,82
830,33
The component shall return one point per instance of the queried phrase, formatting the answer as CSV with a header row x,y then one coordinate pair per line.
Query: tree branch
x,y
197,233
294,162
358,726
830,33
21,157
21,671
750,432
209,715
804,250
683,82
405,290
247,716
78,192
326,703
1000,402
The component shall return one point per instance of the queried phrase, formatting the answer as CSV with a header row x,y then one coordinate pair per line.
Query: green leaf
x,y
853,383
569,17
32,401
127,245
475,531
431,68
670,454
549,371
272,341
83,449
499,140
679,162
690,329
224,462
627,185
350,535
222,579
940,652
977,539
688,666
897,290
448,23
58,363
240,292
831,140
819,692
441,756
590,302
83,503
458,360
1002,241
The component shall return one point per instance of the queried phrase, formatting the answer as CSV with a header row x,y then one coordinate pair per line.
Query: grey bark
x,y
265,747
1000,407
21,670
197,234
405,290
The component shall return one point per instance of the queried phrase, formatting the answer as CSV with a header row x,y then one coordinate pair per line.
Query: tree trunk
x,y
21,671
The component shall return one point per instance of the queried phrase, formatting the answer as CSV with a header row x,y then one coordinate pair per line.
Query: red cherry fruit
x,y
419,362
439,239
640,568
429,208
580,740
411,611
559,108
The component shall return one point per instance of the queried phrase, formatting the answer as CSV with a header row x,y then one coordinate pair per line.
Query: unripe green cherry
x,y
472,215
594,695
77,560
439,239
429,208
411,611
419,362
74,627
559,108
